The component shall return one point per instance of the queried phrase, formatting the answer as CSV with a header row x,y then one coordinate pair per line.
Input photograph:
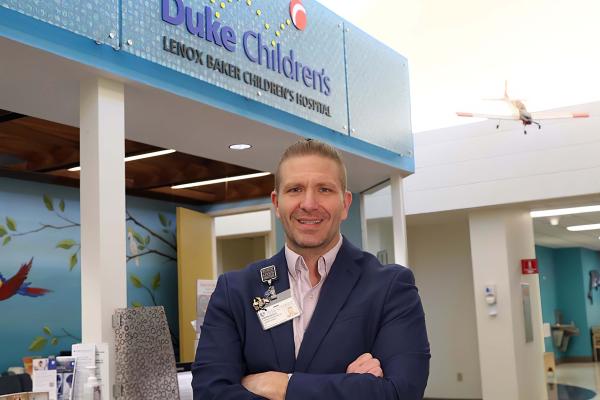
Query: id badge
x,y
279,311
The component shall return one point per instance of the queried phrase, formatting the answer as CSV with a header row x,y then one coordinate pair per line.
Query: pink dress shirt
x,y
304,293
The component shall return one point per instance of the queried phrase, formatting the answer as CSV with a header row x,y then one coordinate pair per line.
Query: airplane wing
x,y
488,116
559,115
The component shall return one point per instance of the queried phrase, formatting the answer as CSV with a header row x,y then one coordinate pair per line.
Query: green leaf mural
x,y
10,223
138,238
135,281
147,238
156,281
48,202
38,343
163,220
142,246
72,261
66,244
41,341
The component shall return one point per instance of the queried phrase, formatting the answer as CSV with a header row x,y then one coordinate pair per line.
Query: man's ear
x,y
347,203
275,201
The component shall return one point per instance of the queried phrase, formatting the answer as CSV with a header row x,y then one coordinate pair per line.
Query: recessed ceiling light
x,y
220,180
136,157
564,211
239,146
577,228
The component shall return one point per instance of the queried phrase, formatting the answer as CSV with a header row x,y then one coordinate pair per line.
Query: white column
x,y
399,221
102,192
510,367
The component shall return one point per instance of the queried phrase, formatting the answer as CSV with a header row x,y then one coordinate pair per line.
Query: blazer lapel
x,y
282,335
337,287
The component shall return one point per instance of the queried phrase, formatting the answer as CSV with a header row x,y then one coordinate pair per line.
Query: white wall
x,y
233,254
243,223
380,237
510,367
476,165
440,258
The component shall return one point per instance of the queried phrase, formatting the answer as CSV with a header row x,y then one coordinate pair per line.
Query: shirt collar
x,y
295,260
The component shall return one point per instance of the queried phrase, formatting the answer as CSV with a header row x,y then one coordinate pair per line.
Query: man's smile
x,y
309,221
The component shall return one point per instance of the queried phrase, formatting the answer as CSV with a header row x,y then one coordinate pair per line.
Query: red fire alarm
x,y
529,267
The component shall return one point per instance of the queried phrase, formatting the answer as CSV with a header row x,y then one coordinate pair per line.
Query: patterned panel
x,y
145,363
379,100
96,19
319,47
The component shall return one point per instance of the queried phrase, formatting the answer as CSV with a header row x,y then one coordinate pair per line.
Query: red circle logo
x,y
298,14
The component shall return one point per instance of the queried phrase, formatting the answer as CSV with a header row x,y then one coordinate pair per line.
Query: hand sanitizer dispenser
x,y
491,300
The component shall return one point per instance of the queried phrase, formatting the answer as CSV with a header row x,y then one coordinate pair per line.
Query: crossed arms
x,y
396,369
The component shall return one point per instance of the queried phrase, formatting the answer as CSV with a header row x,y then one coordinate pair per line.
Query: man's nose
x,y
309,201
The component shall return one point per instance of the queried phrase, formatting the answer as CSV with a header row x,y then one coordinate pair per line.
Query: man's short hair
x,y
311,147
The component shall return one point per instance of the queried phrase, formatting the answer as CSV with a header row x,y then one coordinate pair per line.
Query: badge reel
x,y
273,309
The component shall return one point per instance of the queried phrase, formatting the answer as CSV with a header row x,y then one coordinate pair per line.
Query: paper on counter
x,y
204,289
45,381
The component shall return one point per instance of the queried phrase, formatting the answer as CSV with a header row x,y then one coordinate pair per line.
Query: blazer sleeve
x,y
401,346
219,365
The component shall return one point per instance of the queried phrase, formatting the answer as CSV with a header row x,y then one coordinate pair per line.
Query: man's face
x,y
311,202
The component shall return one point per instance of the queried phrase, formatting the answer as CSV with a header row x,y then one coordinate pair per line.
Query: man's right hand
x,y
365,364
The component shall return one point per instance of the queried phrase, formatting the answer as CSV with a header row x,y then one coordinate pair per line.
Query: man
x,y
358,330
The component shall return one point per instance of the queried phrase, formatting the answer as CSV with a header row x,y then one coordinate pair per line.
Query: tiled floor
x,y
584,375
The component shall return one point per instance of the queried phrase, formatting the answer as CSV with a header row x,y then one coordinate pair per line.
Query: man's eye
x,y
325,190
294,190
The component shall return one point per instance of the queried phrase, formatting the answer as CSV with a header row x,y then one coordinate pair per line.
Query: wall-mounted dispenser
x,y
491,299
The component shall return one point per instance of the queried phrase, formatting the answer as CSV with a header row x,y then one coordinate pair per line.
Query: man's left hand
x,y
271,385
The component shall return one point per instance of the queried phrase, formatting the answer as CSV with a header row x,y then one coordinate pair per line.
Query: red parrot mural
x,y
17,284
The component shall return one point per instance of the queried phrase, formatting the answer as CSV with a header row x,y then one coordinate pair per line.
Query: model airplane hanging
x,y
520,113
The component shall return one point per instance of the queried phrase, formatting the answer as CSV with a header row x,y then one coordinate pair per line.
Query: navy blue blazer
x,y
363,307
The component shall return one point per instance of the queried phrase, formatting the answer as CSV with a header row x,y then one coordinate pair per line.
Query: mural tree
x,y
140,245
41,341
142,239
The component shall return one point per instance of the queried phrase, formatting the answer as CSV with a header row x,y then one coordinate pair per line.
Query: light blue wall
x,y
50,234
570,298
590,260
564,285
545,257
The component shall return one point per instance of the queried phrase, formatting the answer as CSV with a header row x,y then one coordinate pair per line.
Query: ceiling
x,y
558,236
545,234
33,148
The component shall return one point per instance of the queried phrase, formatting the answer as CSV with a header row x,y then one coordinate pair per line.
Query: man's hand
x,y
365,364
271,385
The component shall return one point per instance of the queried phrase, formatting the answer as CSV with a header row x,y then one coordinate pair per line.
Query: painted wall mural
x,y
40,279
